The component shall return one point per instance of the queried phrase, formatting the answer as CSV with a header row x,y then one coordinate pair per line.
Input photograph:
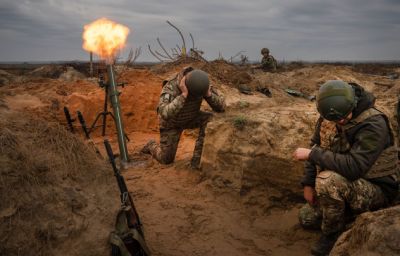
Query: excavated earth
x,y
243,201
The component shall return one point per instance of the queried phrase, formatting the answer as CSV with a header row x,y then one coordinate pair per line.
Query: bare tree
x,y
183,50
191,37
178,51
162,47
243,59
236,55
152,53
132,56
162,55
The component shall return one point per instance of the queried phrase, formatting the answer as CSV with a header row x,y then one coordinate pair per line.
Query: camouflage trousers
x,y
337,195
165,152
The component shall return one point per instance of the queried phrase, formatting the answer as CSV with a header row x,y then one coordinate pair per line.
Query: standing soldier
x,y
350,168
268,62
179,109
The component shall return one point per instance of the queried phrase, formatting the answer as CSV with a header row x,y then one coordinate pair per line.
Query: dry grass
x,y
239,122
44,171
34,147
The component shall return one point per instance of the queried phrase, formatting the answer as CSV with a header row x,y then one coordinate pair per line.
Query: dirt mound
x,y
47,71
373,233
253,148
226,73
175,66
57,197
291,66
375,69
220,71
6,78
71,75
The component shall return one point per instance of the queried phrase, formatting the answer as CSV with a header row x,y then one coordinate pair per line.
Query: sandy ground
x,y
182,212
184,215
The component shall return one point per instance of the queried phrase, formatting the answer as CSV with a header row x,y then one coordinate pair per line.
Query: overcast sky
x,y
50,30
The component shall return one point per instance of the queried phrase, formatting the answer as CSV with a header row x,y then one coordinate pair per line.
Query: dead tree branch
x,y
162,47
133,56
152,53
138,51
161,55
191,37
130,60
197,54
243,59
183,51
236,55
176,52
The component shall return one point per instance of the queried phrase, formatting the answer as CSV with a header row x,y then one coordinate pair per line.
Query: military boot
x,y
146,148
324,245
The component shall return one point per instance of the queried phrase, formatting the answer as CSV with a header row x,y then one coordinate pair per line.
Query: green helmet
x,y
335,100
264,50
197,83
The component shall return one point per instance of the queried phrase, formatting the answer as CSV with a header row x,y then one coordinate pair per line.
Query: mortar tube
x,y
113,94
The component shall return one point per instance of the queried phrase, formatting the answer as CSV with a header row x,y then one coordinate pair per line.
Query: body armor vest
x,y
387,162
189,111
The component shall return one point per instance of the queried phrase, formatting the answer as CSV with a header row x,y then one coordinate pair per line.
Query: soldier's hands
x,y
309,195
209,92
183,88
301,154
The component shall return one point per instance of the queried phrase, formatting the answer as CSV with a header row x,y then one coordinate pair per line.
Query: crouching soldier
x,y
268,62
179,109
352,165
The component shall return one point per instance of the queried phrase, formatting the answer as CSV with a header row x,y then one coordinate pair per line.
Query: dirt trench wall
x,y
138,99
373,233
246,150
56,196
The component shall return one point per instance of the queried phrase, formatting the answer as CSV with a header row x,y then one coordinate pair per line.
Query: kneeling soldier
x,y
179,109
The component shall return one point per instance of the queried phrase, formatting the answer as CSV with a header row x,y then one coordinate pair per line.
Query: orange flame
x,y
104,37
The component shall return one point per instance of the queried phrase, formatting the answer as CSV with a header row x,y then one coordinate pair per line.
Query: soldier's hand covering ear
x,y
209,92
183,88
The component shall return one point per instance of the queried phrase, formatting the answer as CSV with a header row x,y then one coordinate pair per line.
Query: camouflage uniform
x,y
268,63
352,167
310,216
176,114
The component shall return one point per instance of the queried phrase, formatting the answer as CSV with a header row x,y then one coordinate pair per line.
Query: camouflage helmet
x,y
197,83
264,50
335,100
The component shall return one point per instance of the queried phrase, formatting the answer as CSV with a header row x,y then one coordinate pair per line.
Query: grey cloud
x,y
306,29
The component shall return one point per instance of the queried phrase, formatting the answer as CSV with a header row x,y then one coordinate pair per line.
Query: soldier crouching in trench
x,y
352,166
268,62
179,109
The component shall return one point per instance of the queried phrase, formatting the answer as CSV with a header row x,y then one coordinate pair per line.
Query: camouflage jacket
x,y
268,63
367,140
175,111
